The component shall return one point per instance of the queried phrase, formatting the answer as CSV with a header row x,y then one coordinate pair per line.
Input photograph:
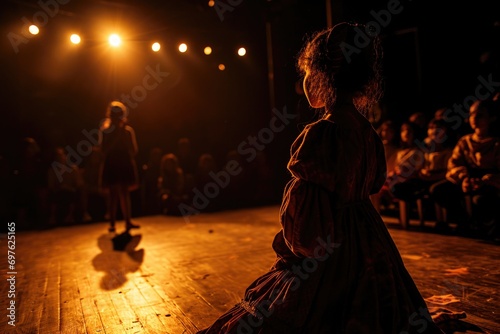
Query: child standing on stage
x,y
119,171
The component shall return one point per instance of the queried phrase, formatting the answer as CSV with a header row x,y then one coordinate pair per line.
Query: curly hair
x,y
336,61
117,109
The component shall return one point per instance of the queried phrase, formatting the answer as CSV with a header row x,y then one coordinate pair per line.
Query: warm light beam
x,y
207,50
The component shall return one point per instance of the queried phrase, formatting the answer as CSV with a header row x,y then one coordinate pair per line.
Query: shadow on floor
x,y
118,257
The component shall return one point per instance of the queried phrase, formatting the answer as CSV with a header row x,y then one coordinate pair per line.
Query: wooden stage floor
x,y
177,277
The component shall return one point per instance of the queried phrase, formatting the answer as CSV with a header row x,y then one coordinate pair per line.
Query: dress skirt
x,y
337,268
119,169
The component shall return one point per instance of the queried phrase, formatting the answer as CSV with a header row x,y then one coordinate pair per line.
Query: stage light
x,y
156,47
75,39
183,47
242,52
207,50
114,40
33,29
211,3
222,67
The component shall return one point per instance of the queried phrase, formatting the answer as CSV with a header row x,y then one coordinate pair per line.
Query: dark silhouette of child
x,y
119,172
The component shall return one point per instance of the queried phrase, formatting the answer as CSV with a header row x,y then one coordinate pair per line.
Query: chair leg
x,y
420,210
468,205
404,214
440,213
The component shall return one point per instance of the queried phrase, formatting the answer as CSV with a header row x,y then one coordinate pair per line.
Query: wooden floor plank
x,y
176,320
170,314
181,276
91,317
156,306
51,318
30,286
126,313
72,320
108,313
144,313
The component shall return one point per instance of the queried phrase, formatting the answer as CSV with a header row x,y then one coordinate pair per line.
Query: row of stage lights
x,y
115,41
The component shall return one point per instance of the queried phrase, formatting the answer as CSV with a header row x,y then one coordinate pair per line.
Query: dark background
x,y
52,91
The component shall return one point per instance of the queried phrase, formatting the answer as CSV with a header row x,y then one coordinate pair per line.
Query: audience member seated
x,y
439,114
437,151
436,155
205,171
409,162
65,183
171,185
473,176
95,198
187,160
27,184
149,183
389,135
420,120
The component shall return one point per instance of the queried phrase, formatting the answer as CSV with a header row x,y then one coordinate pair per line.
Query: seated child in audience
x,y
474,170
436,154
388,132
409,160
389,135
65,183
419,119
171,185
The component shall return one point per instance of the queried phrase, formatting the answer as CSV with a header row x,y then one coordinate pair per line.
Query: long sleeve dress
x,y
337,268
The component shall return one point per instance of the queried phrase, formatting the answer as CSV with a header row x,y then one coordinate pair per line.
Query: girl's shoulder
x,y
321,124
128,128
318,128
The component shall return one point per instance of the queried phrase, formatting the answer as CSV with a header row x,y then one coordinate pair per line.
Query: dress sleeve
x,y
305,214
306,217
313,154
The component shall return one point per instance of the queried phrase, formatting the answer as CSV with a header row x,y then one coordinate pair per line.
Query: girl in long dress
x,y
337,268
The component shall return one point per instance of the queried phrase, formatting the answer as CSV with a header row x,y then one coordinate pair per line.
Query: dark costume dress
x,y
119,167
337,268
